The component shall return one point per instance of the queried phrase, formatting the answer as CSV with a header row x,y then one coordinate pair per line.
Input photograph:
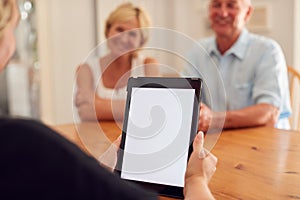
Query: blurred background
x,y
55,36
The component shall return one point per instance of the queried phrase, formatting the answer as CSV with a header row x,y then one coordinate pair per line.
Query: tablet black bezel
x,y
161,82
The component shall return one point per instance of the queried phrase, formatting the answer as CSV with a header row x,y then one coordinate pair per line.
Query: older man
x,y
251,67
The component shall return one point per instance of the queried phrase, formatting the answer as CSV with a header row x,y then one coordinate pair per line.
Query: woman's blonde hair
x,y
125,12
6,9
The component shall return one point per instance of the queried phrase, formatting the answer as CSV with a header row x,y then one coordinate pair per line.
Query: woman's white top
x,y
137,69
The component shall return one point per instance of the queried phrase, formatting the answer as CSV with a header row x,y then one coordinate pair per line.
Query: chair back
x,y
294,82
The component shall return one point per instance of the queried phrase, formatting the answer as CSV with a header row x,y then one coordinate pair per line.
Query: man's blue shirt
x,y
253,71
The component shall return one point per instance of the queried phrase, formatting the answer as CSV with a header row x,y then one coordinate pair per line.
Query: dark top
x,y
38,163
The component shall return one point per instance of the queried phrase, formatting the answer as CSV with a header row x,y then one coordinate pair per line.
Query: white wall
x,y
296,53
67,32
296,49
282,25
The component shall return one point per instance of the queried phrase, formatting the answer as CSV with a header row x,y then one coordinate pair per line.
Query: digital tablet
x,y
160,123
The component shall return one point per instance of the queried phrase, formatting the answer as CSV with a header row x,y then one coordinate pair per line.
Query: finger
x,y
202,151
200,136
198,142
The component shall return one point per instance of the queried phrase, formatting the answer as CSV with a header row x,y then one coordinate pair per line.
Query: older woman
x,y
101,82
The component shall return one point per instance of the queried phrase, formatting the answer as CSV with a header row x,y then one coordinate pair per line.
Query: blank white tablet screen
x,y
158,135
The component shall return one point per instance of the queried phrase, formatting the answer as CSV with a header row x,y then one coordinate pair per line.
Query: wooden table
x,y
255,163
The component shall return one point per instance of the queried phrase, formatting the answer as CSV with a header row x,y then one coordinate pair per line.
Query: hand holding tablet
x,y
199,171
160,124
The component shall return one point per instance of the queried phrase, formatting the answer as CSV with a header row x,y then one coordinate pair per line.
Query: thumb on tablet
x,y
198,145
201,168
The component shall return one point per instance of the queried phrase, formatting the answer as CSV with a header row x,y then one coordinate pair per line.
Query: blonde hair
x,y
125,12
6,9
